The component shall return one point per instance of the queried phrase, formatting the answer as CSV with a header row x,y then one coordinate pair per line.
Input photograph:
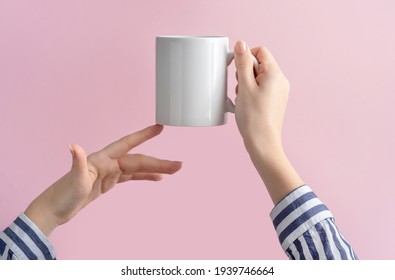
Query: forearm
x,y
43,209
38,212
273,166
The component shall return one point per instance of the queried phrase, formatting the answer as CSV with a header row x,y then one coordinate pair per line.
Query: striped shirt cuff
x,y
297,213
25,241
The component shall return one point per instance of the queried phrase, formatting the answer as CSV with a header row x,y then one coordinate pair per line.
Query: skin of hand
x,y
260,105
94,175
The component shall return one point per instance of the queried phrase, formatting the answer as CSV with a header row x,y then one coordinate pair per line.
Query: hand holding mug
x,y
261,98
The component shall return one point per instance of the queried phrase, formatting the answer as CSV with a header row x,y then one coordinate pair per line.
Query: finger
x,y
147,176
141,176
265,59
244,65
125,144
80,163
137,163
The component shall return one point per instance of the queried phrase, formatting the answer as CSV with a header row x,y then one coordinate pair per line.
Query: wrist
x,y
40,213
273,166
266,147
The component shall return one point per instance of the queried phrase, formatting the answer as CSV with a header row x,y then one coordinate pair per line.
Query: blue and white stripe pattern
x,y
306,228
23,240
304,225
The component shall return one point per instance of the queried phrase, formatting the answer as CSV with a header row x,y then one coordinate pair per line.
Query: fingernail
x,y
241,47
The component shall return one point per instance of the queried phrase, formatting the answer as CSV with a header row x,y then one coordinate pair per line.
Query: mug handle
x,y
230,106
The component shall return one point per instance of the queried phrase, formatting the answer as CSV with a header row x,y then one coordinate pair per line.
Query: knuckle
x,y
243,63
125,141
248,63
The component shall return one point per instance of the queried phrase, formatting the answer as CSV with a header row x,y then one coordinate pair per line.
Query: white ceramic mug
x,y
191,80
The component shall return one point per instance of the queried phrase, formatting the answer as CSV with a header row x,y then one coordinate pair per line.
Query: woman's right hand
x,y
261,97
259,108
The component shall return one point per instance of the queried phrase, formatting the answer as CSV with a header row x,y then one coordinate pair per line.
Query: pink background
x,y
83,71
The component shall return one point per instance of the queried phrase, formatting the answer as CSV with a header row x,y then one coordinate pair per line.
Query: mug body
x,y
191,80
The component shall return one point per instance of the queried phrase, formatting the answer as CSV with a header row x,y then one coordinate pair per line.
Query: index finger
x,y
265,59
126,143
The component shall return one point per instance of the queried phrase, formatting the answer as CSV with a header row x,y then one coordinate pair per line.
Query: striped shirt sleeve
x,y
306,228
23,240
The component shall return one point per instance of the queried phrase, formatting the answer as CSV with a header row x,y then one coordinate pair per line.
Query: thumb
x,y
80,163
244,65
